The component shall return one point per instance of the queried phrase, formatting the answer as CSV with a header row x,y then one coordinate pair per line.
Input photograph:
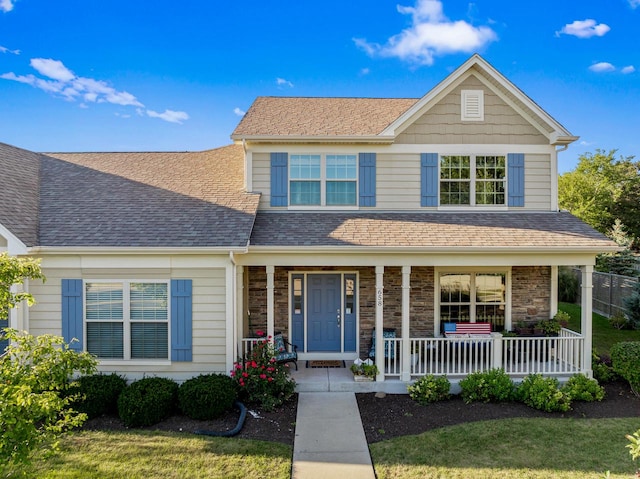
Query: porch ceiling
x,y
435,230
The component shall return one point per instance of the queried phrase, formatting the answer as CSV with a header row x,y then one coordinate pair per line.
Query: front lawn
x,y
604,335
161,455
538,448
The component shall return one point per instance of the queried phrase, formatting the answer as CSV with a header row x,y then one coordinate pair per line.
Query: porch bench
x,y
467,330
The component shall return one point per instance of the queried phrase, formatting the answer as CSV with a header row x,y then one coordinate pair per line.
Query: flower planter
x,y
359,378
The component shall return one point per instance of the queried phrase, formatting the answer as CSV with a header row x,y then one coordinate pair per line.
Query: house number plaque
x,y
379,299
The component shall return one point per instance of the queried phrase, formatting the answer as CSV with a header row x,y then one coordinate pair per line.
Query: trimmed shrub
x,y
207,396
98,394
543,394
625,357
261,380
602,370
567,286
429,389
489,386
147,402
581,388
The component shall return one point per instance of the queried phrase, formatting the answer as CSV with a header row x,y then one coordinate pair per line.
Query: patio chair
x,y
283,354
386,333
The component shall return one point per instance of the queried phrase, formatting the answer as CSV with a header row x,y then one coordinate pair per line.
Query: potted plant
x,y
549,327
563,318
364,370
416,352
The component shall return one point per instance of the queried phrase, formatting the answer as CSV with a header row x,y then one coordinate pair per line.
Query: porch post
x,y
270,302
239,332
554,292
379,339
586,325
406,351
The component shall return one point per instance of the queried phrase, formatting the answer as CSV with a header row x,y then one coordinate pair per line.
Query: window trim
x,y
472,182
126,321
323,182
438,272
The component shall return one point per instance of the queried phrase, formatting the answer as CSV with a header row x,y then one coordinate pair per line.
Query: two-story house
x,y
329,219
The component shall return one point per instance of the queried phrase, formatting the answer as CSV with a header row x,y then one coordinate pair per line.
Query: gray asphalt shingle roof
x,y
19,195
301,116
192,199
427,230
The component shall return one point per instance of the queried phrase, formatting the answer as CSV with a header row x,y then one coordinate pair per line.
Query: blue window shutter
x,y
515,165
367,167
279,179
428,179
72,315
181,319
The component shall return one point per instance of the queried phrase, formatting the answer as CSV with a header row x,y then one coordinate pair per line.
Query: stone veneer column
x,y
406,305
586,325
379,339
270,300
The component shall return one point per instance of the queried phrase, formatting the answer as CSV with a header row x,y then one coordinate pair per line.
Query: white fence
x,y
518,356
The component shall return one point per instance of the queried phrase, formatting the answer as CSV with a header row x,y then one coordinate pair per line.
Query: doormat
x,y
326,364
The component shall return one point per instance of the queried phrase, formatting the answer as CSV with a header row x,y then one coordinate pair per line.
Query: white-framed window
x,y
319,180
473,180
127,319
473,296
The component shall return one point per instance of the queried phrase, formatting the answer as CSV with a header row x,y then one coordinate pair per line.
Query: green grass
x,y
154,454
523,448
604,335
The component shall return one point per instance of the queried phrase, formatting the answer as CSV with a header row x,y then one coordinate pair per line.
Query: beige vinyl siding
x,y
537,182
262,178
442,124
209,316
398,182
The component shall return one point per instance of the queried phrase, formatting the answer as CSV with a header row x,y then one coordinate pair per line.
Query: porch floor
x,y
340,380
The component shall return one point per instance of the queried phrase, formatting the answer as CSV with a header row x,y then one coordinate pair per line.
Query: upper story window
x,y
323,180
472,180
127,319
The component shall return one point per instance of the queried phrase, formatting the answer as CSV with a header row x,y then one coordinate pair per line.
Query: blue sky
x,y
133,75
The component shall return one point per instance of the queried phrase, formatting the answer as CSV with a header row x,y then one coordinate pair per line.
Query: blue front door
x,y
324,314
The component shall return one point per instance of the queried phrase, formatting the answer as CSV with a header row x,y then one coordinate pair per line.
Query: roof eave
x,y
559,140
135,250
369,139
460,250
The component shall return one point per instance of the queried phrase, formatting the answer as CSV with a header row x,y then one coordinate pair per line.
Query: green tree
x,y
14,271
35,374
602,189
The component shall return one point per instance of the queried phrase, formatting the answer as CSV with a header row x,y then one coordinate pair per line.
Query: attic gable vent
x,y
472,105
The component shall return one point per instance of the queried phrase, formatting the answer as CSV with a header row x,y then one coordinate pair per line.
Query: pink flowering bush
x,y
261,380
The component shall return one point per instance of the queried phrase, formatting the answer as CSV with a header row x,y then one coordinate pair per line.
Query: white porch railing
x,y
518,356
247,345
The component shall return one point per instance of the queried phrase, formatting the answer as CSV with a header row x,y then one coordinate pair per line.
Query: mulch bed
x,y
392,416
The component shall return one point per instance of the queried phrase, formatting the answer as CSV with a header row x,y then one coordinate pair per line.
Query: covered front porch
x,y
409,300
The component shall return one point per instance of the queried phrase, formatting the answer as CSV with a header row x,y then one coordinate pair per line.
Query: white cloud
x,y
628,69
283,82
585,28
365,71
634,3
431,34
62,82
602,67
238,111
6,50
6,5
53,69
169,115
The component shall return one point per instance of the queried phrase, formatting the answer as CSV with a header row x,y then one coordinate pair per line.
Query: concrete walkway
x,y
330,440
